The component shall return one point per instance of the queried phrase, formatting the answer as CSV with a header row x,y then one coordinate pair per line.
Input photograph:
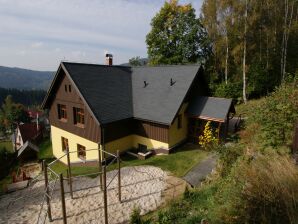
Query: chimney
x,y
109,59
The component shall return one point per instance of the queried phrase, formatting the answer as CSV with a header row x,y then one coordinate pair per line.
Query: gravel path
x,y
146,187
199,172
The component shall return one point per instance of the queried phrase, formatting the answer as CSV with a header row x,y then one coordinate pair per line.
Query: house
x,y
27,132
126,107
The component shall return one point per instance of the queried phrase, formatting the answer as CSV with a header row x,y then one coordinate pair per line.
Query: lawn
x,y
178,162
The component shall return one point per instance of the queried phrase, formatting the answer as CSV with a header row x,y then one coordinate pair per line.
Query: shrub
x,y
230,90
6,160
261,189
135,217
277,115
209,137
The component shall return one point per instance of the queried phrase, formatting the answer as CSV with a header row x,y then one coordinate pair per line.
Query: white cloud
x,y
21,53
37,44
75,28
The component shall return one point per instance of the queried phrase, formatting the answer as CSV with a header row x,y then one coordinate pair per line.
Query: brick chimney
x,y
109,59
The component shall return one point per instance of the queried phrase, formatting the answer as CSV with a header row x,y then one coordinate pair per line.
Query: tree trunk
x,y
286,33
227,60
244,54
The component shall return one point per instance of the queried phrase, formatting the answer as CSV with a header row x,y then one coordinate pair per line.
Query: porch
x,y
219,111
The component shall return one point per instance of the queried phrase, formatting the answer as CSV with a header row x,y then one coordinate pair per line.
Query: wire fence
x,y
51,177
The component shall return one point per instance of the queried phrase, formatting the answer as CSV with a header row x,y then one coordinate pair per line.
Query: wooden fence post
x,y
69,173
100,165
63,199
105,194
45,166
119,176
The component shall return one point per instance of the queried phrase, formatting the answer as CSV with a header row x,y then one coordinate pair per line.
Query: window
x,y
179,124
81,151
65,88
62,113
69,88
78,116
64,142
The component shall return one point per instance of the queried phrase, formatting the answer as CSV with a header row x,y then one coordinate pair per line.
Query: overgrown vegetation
x,y
256,179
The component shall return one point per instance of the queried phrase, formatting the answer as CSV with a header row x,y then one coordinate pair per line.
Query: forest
x,y
247,47
25,97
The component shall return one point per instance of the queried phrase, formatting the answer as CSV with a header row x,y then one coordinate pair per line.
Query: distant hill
x,y
18,78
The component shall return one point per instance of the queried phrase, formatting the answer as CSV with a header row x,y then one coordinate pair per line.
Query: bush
x,y
135,217
6,160
230,90
261,189
277,115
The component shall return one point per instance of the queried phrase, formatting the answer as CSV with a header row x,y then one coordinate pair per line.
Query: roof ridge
x,y
158,66
93,64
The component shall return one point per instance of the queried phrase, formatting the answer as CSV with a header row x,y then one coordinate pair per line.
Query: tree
x,y
177,36
251,34
135,61
11,113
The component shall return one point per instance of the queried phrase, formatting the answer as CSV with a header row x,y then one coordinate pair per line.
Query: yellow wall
x,y
150,143
178,135
73,140
121,144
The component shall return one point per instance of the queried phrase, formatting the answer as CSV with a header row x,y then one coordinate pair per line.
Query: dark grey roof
x,y
117,92
24,147
159,101
107,89
209,107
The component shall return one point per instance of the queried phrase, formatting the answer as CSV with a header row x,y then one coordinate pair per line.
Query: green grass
x,y
178,162
7,145
45,150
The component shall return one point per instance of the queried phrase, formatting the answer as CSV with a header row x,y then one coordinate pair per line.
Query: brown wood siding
x,y
91,129
151,130
118,129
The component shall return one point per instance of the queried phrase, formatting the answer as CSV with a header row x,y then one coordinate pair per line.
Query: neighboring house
x,y
126,107
27,132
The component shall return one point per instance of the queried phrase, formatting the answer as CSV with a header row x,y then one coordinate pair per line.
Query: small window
x,y
65,88
81,151
79,117
179,124
69,88
62,113
64,142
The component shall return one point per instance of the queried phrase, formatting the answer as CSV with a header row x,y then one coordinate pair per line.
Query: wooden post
x,y
67,176
100,165
69,173
63,199
105,201
218,134
47,190
119,176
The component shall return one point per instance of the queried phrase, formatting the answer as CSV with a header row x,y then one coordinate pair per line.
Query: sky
x,y
38,34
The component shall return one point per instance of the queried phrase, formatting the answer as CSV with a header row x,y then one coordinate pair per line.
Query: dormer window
x,y
62,112
65,88
78,117
69,88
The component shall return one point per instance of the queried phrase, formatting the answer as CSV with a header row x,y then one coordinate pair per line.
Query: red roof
x,y
33,113
29,131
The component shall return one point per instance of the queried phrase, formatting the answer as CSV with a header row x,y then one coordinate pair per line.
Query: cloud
x,y
37,44
76,28
21,53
